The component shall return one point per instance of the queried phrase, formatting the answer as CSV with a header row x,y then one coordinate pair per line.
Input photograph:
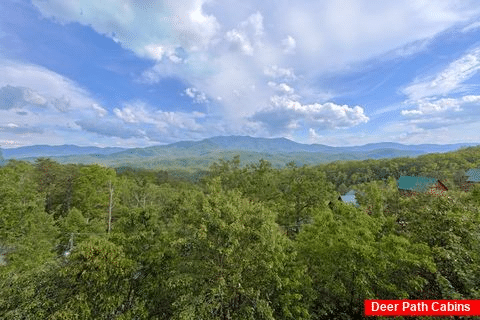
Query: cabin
x,y
473,177
409,186
349,197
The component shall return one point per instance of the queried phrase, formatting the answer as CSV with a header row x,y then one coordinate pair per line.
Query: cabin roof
x,y
419,184
473,175
349,197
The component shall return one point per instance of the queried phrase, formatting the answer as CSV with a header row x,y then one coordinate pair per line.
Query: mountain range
x,y
54,151
201,154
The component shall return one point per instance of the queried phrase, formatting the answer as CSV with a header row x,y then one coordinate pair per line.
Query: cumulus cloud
x,y
23,85
276,72
281,87
249,33
157,52
425,107
447,81
140,113
444,112
137,25
431,109
40,104
235,60
240,41
197,96
313,136
285,115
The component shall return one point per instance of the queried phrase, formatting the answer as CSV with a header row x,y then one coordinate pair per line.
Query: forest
x,y
233,242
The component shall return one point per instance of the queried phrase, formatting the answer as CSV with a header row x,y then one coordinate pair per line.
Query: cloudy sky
x,y
135,73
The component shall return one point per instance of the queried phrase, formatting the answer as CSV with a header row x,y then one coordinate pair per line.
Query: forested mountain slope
x,y
199,155
244,242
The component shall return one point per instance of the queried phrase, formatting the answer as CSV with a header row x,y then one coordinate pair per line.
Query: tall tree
x,y
91,192
242,255
349,263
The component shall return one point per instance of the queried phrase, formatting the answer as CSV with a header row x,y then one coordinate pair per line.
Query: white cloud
x,y
138,25
426,107
140,113
275,72
281,87
197,96
246,48
247,35
285,114
447,81
100,111
444,113
190,92
432,109
240,40
34,98
289,44
42,105
236,59
40,86
334,33
126,115
313,136
472,26
155,52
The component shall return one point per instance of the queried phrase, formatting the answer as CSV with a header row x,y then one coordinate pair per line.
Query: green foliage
x,y
248,242
56,182
95,282
348,263
26,231
242,253
452,232
91,191
301,191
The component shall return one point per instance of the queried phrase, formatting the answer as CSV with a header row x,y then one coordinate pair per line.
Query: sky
x,y
137,73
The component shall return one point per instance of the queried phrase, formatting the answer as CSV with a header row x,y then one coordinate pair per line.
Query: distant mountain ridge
x,y
55,151
247,143
201,154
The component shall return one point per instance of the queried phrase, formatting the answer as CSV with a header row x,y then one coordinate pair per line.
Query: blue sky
x,y
136,73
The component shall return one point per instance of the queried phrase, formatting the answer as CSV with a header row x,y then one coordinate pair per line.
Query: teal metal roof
x,y
418,184
473,175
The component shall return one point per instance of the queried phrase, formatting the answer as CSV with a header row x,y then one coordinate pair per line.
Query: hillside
x,y
54,151
199,155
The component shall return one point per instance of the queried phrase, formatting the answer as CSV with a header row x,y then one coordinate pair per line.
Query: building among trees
x,y
473,177
349,197
408,186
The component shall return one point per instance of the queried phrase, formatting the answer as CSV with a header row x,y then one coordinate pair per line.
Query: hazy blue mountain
x,y
200,154
275,145
53,151
422,148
